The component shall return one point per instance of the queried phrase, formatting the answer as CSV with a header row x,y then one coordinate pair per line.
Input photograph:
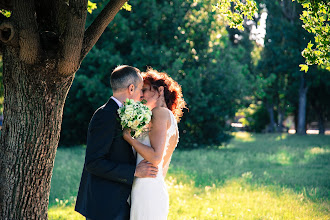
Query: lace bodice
x,y
144,139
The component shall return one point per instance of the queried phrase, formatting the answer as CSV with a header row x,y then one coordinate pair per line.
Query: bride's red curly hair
x,y
172,90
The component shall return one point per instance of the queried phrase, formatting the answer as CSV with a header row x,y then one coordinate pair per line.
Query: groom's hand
x,y
145,170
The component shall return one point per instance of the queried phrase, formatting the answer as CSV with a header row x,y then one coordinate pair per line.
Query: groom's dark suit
x,y
109,168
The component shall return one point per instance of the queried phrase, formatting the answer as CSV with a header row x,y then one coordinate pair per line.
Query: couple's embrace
x,y
123,177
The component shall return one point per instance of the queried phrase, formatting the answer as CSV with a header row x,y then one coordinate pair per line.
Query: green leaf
x,y
5,13
91,6
127,7
303,67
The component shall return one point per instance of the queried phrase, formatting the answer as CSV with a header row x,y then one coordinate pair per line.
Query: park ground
x,y
255,176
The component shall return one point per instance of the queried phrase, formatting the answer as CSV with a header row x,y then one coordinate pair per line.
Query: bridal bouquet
x,y
134,115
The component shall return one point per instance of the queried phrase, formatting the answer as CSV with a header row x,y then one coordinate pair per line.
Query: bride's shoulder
x,y
160,112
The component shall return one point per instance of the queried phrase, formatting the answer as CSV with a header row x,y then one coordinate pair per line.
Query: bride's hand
x,y
127,134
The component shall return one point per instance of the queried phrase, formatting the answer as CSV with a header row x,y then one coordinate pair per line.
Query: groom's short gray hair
x,y
123,76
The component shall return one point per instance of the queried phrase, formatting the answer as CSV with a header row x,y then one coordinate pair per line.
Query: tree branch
x,y
73,37
29,41
95,30
62,10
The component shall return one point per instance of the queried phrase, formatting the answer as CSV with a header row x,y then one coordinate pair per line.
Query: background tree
x,y
279,84
318,105
284,40
315,17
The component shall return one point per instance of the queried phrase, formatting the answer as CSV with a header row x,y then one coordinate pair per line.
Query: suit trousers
x,y
123,214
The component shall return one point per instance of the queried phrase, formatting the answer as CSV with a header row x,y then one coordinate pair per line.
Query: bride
x,y
149,197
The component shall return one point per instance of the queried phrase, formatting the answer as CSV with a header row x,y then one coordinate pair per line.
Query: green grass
x,y
67,171
256,176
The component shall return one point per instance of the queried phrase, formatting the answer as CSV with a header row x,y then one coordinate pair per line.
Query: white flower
x,y
129,110
135,124
140,117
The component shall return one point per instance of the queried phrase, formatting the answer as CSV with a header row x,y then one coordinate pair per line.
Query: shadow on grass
x,y
66,175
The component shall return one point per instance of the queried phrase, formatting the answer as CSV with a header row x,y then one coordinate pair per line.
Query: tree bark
x,y
302,106
321,122
270,109
35,89
6,4
73,38
295,112
34,98
280,120
29,40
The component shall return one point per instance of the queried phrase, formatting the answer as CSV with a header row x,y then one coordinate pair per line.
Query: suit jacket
x,y
109,167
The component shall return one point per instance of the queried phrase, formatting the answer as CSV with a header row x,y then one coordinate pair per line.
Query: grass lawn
x,y
256,176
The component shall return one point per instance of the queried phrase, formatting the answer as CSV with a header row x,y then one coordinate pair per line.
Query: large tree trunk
x,y
34,98
41,53
302,106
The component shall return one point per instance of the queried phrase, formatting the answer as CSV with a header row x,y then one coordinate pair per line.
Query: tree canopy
x,y
315,17
184,39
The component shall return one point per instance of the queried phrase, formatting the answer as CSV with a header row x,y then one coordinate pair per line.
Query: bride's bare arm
x,y
157,136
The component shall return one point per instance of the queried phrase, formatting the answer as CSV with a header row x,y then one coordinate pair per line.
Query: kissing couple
x,y
123,177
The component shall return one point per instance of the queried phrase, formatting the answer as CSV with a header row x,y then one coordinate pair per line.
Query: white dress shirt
x,y
117,101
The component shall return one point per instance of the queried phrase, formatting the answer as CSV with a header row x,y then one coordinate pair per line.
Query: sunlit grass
x,y
244,136
318,150
237,199
254,177
64,213
281,137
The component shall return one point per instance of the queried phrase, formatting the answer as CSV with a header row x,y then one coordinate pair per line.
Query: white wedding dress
x,y
149,197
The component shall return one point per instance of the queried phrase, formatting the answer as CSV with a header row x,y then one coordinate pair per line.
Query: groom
x,y
109,168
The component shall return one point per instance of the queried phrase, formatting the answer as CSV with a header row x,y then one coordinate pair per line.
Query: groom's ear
x,y
131,89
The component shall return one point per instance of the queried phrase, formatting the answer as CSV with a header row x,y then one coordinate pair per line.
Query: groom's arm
x,y
99,140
